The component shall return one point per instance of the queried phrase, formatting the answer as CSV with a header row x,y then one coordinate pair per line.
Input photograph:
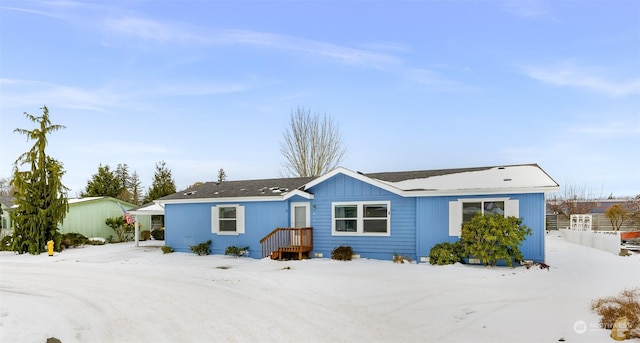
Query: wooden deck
x,y
287,243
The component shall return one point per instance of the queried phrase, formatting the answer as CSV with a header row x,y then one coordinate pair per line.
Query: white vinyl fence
x,y
580,233
603,240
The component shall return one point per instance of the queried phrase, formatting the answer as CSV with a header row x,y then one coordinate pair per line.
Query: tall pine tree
x,y
41,197
163,183
103,183
135,188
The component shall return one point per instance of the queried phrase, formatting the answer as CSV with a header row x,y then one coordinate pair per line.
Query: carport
x,y
151,209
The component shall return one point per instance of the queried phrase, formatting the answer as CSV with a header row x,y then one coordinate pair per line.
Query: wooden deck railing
x,y
288,241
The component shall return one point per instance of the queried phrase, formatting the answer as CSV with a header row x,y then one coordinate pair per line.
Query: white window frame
x,y
511,209
360,218
215,220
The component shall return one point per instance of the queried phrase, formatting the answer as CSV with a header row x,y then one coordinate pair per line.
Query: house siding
x,y
88,218
341,188
433,222
190,224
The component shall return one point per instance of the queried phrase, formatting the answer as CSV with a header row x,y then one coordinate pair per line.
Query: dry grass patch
x,y
625,304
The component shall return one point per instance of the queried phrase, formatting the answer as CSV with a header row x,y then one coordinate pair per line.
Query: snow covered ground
x,y
123,293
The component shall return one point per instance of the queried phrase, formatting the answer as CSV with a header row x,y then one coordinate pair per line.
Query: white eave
x,y
151,209
280,197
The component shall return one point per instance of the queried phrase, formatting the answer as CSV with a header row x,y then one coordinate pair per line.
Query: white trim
x,y
292,211
237,199
360,218
470,192
511,209
215,220
357,176
295,192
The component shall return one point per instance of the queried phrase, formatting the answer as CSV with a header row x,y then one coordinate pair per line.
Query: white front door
x,y
300,216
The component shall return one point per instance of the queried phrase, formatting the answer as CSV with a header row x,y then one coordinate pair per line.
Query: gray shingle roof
x,y
420,174
275,187
245,188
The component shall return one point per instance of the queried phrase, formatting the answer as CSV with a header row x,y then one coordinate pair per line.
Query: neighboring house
x,y
87,216
378,214
6,203
599,222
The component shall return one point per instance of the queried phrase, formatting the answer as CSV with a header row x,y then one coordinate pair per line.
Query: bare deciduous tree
x,y
312,146
574,200
633,209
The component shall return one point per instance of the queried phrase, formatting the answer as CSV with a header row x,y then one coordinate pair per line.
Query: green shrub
x,y
491,238
123,230
447,253
145,235
342,253
92,241
166,249
73,240
236,251
158,234
5,243
202,248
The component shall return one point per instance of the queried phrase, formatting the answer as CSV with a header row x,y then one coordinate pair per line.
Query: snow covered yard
x,y
123,293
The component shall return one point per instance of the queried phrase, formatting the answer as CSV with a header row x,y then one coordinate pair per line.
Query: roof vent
x,y
507,179
501,168
190,193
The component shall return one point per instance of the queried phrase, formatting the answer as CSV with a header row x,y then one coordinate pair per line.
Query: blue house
x,y
377,214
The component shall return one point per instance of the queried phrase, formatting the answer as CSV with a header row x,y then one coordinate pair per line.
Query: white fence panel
x,y
603,240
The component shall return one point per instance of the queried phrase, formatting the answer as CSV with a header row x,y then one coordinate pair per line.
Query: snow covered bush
x,y
236,251
202,248
342,253
492,238
446,253
166,249
72,240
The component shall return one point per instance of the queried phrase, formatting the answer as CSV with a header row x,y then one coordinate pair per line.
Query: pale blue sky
x,y
414,85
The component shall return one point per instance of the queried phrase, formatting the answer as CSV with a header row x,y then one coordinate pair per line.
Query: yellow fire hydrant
x,y
50,247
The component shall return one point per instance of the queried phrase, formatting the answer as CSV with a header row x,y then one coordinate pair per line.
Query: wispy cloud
x,y
342,54
527,8
148,29
569,75
616,127
25,93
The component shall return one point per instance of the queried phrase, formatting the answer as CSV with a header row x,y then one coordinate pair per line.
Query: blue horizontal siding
x,y
190,224
433,222
417,224
343,188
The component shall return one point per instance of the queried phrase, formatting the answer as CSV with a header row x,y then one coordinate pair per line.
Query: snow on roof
x,y
506,177
78,200
150,209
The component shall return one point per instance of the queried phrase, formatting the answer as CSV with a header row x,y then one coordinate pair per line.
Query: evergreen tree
x,y
104,183
122,174
163,183
135,188
40,195
222,176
